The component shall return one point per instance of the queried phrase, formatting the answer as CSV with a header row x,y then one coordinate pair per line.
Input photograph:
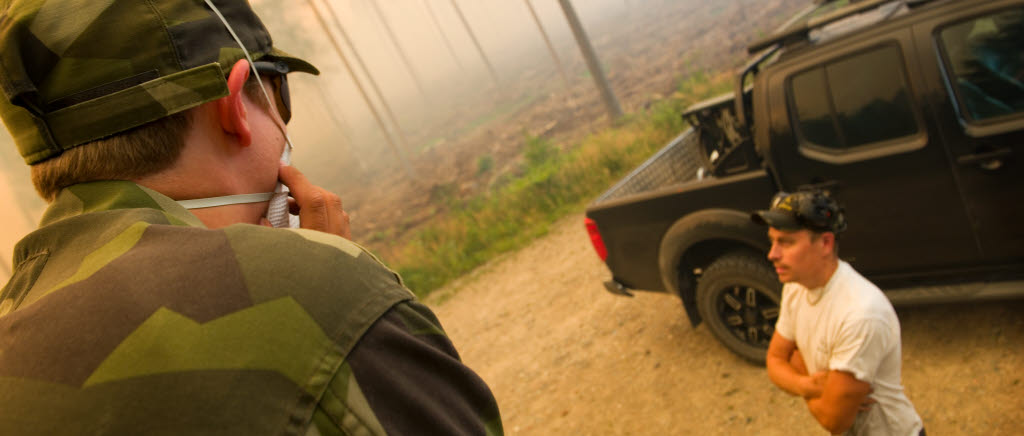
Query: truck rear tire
x,y
738,296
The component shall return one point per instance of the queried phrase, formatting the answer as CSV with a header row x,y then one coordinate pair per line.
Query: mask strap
x,y
201,203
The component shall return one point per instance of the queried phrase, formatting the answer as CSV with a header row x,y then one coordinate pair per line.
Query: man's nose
x,y
773,254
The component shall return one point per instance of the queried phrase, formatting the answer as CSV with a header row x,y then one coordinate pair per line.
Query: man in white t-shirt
x,y
837,340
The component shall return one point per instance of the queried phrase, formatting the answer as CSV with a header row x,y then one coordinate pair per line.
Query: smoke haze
x,y
445,100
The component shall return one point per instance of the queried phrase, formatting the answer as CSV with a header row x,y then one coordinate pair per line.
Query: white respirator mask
x,y
277,210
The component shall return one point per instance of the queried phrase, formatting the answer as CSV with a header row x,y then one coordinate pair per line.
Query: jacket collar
x,y
110,195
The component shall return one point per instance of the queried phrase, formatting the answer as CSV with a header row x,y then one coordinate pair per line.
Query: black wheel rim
x,y
749,314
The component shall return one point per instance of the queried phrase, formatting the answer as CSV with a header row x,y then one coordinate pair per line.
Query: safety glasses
x,y
277,72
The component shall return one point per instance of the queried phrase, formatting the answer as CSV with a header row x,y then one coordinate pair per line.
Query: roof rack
x,y
802,32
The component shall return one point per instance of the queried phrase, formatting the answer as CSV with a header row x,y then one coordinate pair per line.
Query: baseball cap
x,y
74,71
812,210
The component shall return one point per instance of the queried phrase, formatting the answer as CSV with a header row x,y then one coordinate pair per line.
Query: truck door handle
x,y
988,159
827,185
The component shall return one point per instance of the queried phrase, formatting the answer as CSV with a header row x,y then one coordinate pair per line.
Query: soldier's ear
x,y
233,116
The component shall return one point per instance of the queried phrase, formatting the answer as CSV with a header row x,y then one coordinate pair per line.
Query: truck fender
x,y
697,239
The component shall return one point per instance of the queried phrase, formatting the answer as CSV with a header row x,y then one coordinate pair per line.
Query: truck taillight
x,y
595,238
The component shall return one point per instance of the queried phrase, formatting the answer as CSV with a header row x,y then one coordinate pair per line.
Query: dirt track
x,y
563,356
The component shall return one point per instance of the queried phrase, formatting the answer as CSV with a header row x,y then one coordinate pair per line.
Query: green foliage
x,y
667,115
551,185
445,193
484,164
380,236
538,151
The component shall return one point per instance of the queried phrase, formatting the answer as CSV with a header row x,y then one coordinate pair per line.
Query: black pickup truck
x,y
911,113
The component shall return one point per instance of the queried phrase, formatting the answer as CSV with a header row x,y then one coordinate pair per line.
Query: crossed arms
x,y
833,397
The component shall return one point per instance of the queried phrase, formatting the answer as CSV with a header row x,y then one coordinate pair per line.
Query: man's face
x,y
798,256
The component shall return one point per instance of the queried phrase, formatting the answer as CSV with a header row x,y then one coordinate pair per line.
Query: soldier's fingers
x,y
313,212
309,202
333,211
318,208
296,182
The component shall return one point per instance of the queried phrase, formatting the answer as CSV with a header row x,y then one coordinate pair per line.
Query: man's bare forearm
x,y
782,362
830,418
782,373
837,406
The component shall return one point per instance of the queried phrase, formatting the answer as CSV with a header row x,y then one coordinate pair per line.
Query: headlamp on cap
x,y
811,210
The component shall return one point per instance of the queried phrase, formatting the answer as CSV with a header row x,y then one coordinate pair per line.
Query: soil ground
x,y
563,356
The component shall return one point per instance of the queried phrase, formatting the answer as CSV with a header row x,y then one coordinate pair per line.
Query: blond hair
x,y
132,154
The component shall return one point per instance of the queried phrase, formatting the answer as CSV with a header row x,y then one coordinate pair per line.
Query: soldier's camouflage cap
x,y
73,71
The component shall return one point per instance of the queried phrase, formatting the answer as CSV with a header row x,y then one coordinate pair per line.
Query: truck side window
x,y
853,101
985,64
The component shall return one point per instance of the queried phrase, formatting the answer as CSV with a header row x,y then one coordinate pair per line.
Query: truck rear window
x,y
853,101
985,64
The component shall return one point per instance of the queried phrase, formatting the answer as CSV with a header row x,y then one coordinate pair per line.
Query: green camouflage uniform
x,y
125,315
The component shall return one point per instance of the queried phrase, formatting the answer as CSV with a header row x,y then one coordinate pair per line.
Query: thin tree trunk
x,y
472,36
398,47
343,126
547,41
440,30
369,77
362,92
610,102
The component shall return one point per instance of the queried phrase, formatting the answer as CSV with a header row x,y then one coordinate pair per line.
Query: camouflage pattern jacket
x,y
125,315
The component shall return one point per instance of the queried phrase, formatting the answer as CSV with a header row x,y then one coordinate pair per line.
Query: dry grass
x,y
551,185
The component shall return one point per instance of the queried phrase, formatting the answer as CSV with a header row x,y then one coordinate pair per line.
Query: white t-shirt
x,y
849,325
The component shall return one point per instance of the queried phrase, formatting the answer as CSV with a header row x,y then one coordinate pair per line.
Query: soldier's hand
x,y
868,401
815,384
317,208
866,405
819,378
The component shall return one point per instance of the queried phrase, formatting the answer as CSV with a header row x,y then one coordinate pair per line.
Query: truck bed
x,y
676,163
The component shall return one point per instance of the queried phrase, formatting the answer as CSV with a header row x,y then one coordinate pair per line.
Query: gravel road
x,y
564,357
